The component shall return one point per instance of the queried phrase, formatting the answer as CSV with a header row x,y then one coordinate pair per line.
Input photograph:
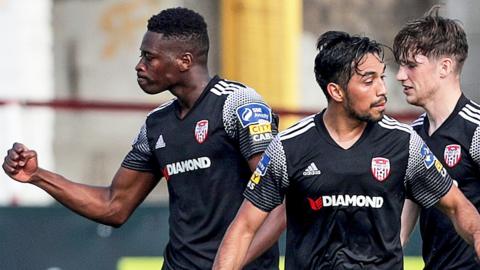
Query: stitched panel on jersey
x,y
139,158
424,181
269,191
232,102
235,130
475,146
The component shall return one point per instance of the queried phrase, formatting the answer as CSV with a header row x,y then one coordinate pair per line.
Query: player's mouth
x,y
380,105
141,79
407,89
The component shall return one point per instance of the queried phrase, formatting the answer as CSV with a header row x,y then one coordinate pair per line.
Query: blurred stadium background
x,y
68,90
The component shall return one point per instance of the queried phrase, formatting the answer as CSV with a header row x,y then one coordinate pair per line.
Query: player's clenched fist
x,y
20,163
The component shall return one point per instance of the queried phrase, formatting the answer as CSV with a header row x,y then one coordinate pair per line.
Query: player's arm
x,y
428,183
110,205
410,214
254,132
464,216
270,230
239,236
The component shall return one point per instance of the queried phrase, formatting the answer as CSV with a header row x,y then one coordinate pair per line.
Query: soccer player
x,y
431,52
345,172
205,142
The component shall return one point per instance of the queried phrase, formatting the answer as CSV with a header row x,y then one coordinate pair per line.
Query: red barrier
x,y
88,105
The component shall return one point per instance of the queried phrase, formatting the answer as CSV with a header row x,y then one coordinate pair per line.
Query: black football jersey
x,y
344,205
456,144
203,158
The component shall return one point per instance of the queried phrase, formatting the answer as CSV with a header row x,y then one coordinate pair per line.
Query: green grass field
x,y
155,263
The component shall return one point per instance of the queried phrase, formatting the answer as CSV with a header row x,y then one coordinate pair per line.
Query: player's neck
x,y
440,106
343,129
190,90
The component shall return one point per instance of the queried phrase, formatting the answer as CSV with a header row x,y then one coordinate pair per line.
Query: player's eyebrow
x,y
372,73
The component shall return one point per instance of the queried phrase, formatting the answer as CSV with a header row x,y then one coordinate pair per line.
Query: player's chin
x,y
412,100
149,89
377,115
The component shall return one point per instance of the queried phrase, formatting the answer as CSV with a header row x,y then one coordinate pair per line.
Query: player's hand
x,y
20,163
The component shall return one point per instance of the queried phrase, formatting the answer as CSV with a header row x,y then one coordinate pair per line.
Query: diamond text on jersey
x,y
345,200
188,165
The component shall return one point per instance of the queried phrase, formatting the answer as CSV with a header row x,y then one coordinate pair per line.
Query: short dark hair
x,y
182,24
339,55
432,36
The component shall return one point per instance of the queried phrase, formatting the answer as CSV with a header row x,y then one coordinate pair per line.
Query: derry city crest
x,y
380,168
452,154
201,131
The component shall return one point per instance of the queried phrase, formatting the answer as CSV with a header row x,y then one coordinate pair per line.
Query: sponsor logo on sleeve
x,y
261,132
452,155
380,168
428,157
440,168
262,137
259,171
201,131
254,113
254,180
263,164
255,177
260,129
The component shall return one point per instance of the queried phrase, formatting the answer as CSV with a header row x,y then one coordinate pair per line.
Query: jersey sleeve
x,y
475,147
426,180
140,157
268,183
249,121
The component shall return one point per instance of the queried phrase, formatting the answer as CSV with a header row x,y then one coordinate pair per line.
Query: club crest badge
x,y
380,168
452,155
201,131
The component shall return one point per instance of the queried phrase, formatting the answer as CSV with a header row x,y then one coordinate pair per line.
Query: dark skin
x,y
164,65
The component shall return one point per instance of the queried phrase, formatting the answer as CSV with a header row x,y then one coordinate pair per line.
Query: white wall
x,y
25,73
467,12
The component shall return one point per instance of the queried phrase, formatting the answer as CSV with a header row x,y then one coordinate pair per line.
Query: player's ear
x,y
446,66
335,92
185,61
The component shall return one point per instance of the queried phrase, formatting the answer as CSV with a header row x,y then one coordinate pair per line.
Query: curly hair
x,y
432,36
339,55
184,25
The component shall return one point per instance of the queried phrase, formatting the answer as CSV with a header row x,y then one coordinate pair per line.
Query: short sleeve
x,y
475,147
249,121
140,157
267,186
426,180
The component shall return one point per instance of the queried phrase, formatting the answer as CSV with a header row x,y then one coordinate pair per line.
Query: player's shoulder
x,y
419,122
162,107
470,112
242,101
299,129
389,124
235,94
228,88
